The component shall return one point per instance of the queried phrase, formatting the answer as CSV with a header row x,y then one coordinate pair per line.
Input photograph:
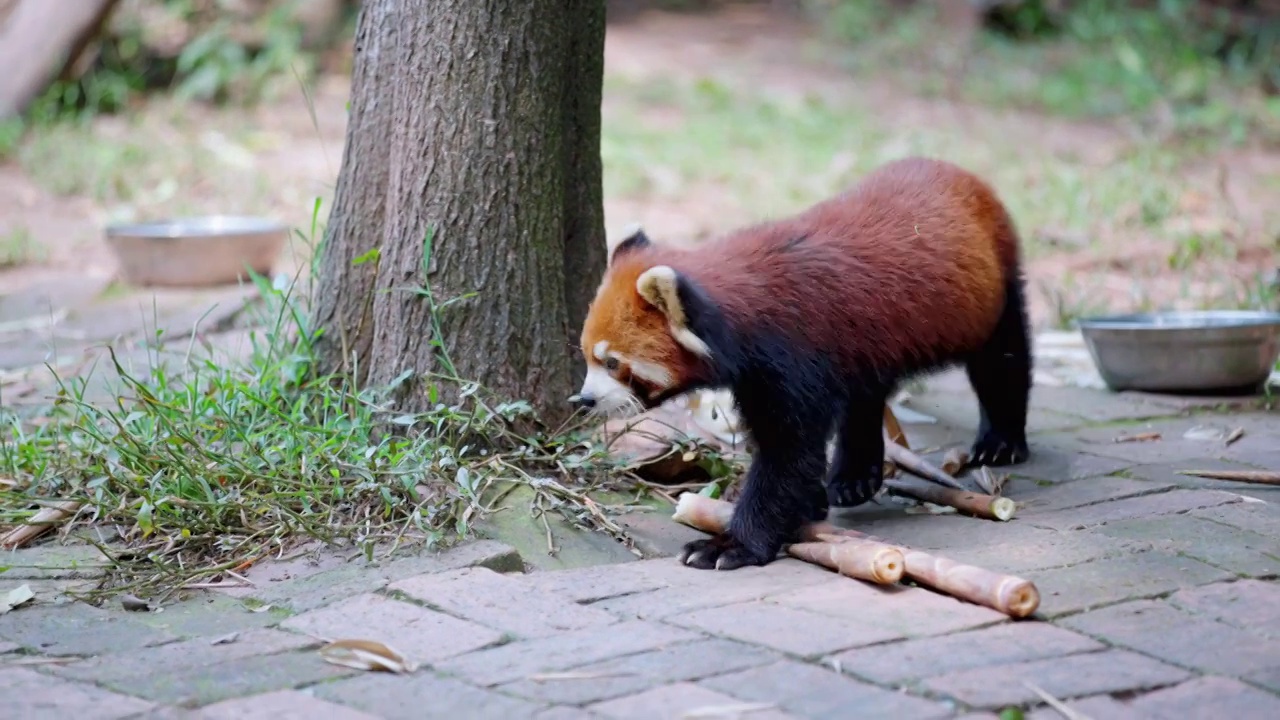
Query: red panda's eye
x,y
611,364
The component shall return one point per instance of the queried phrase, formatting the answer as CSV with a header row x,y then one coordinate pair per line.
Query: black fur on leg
x,y
857,470
1000,373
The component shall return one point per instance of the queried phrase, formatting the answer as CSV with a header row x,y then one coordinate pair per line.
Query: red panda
x,y
812,321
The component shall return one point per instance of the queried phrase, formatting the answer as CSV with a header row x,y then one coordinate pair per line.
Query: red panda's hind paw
x,y
722,552
994,450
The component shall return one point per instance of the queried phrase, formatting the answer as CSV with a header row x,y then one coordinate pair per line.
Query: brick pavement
x,y
1160,600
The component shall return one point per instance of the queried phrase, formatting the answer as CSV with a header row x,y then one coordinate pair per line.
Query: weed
x,y
207,467
17,248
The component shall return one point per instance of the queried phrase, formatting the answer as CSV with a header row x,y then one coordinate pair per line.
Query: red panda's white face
x,y
637,348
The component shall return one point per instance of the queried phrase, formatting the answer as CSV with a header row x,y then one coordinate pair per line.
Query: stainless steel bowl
x,y
196,251
1226,351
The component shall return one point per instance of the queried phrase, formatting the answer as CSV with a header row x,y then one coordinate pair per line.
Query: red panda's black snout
x,y
812,321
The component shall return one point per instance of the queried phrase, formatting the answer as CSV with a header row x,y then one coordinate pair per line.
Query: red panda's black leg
x,y
777,497
1000,373
857,470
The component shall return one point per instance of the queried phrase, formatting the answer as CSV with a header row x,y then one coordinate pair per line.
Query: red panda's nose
x,y
584,400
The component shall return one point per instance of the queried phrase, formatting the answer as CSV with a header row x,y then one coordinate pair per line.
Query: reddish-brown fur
x,y
916,255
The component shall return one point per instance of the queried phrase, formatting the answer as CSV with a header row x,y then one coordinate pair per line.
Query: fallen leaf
x,y
260,609
16,597
225,639
1235,435
133,603
365,655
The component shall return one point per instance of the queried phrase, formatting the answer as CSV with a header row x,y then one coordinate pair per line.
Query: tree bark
x,y
482,129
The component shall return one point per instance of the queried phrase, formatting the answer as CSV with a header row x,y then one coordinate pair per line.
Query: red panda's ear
x,y
660,287
631,238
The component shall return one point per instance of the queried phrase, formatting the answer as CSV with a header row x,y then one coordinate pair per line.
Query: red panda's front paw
x,y
722,552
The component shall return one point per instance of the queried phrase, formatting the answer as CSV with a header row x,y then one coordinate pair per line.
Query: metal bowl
x,y
196,251
1223,351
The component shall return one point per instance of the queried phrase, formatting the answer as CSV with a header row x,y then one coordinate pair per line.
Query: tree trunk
x,y
476,122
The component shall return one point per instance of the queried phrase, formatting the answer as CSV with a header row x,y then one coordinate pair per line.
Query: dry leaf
x,y
260,609
133,603
579,675
1235,435
225,639
16,597
365,655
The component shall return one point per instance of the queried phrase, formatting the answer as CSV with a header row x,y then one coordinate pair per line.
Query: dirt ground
x,y
293,156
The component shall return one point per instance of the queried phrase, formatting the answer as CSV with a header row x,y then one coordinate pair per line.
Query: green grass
x,y
769,157
17,248
207,465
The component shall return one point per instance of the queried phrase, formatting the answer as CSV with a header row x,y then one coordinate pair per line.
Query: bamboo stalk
x,y
1259,477
894,429
861,559
990,507
40,523
1008,594
916,465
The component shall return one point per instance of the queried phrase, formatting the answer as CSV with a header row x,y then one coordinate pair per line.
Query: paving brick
x,y
422,635
497,601
948,532
1109,671
600,582
394,697
1090,584
78,629
1045,550
280,705
1260,518
905,611
1035,498
895,663
565,713
1098,707
692,589
305,589
519,660
783,628
633,673
207,615
1168,472
1165,632
1248,604
1210,698
8,647
54,560
680,700
1239,551
1055,464
1268,678
817,692
230,679
187,656
29,694
1166,503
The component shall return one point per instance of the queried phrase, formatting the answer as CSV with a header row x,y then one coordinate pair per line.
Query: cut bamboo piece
x,y
1259,477
990,507
861,559
40,523
917,465
1008,594
894,429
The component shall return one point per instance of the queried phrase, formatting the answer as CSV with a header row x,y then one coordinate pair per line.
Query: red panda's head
x,y
638,345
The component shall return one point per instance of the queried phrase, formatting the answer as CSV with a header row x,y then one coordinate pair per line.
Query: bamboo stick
x,y
1259,477
861,559
1008,594
990,507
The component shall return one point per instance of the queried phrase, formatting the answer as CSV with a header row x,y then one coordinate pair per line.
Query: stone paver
x,y
1159,629
498,601
280,705
632,673
1159,593
1209,698
1005,644
683,700
423,695
30,694
1072,676
1101,582
786,629
818,692
422,635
